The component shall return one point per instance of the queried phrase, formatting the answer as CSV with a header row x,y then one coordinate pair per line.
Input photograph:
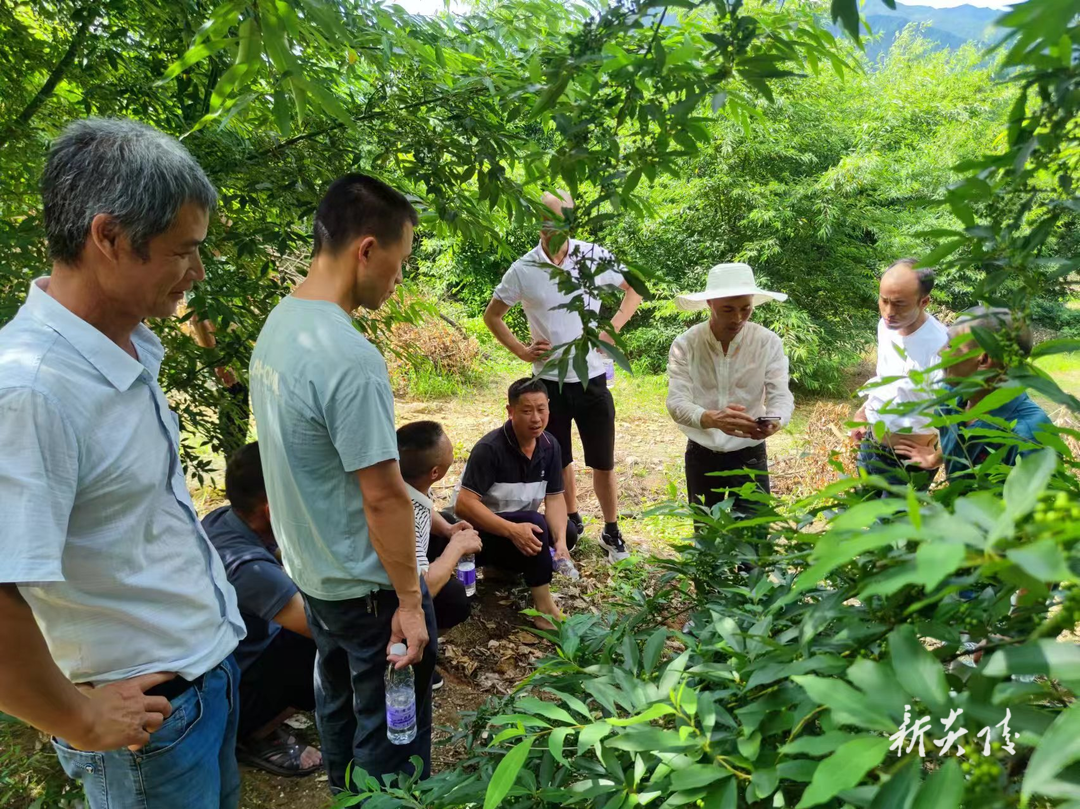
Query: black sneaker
x,y
613,545
579,525
436,680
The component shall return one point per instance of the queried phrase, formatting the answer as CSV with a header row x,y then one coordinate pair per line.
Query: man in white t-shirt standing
x,y
586,402
910,341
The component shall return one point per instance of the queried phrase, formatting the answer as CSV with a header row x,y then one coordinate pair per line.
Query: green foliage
x,y
1017,206
788,682
29,775
1053,314
473,115
829,185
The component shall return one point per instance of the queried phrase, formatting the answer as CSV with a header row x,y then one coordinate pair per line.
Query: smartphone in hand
x,y
764,420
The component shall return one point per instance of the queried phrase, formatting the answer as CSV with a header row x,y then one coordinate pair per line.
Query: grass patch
x,y
1065,368
30,774
640,394
660,529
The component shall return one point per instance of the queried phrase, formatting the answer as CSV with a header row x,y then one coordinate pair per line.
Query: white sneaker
x,y
614,546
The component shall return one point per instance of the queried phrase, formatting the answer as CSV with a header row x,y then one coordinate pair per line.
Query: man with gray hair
x,y
967,441
117,622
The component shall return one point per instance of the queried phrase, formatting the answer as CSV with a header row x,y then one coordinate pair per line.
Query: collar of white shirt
x,y
419,497
111,361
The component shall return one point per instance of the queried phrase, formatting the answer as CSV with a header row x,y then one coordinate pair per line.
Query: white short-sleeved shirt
x,y
898,356
99,531
529,282
324,410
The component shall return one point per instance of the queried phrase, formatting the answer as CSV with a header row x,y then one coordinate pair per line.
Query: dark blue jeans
x,y
190,762
880,459
350,695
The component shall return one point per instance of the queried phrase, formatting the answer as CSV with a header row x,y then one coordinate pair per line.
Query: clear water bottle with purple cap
x,y
400,700
609,371
564,567
466,573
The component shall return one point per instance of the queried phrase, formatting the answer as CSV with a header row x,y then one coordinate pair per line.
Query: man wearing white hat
x,y
728,386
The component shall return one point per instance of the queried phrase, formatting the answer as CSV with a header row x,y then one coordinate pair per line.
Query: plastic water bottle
x,y
609,372
564,567
466,573
400,700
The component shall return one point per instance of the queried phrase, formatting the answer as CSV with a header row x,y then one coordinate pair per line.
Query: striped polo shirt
x,y
507,480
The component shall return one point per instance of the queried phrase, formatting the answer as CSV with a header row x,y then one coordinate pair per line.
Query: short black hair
x,y
523,386
357,205
925,275
418,443
244,484
995,320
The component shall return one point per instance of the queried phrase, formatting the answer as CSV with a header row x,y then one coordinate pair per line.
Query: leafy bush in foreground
x,y
788,682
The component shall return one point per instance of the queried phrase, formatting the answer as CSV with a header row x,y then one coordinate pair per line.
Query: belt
x,y
171,689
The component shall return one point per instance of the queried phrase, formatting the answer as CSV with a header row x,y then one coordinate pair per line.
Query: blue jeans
x,y
879,459
350,693
189,763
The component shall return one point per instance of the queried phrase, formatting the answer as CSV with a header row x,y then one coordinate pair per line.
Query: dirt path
x,y
489,654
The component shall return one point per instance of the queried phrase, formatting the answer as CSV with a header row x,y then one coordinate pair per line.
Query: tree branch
x,y
54,79
358,119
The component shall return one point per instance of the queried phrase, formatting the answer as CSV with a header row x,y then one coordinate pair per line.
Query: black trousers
x,y
350,694
502,553
452,605
282,677
705,488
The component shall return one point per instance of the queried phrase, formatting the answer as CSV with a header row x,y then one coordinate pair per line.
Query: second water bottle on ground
x,y
400,700
564,567
466,573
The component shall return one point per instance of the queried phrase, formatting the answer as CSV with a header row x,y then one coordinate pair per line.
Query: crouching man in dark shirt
x,y
510,473
277,658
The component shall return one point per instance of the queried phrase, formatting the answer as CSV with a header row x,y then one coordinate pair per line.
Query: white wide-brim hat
x,y
728,281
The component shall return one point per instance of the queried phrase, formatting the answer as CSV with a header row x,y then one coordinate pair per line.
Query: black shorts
x,y
593,410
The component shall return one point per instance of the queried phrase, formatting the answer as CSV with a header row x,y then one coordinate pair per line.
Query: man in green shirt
x,y
340,511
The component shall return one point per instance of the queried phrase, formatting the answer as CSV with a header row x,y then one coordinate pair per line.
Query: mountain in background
x,y
948,27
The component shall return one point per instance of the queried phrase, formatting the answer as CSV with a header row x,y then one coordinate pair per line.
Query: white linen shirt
x,y
898,356
701,377
529,282
99,531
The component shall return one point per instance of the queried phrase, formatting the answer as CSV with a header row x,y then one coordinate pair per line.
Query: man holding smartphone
x,y
728,388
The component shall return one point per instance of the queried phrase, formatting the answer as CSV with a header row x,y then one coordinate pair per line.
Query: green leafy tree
x,y
473,115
